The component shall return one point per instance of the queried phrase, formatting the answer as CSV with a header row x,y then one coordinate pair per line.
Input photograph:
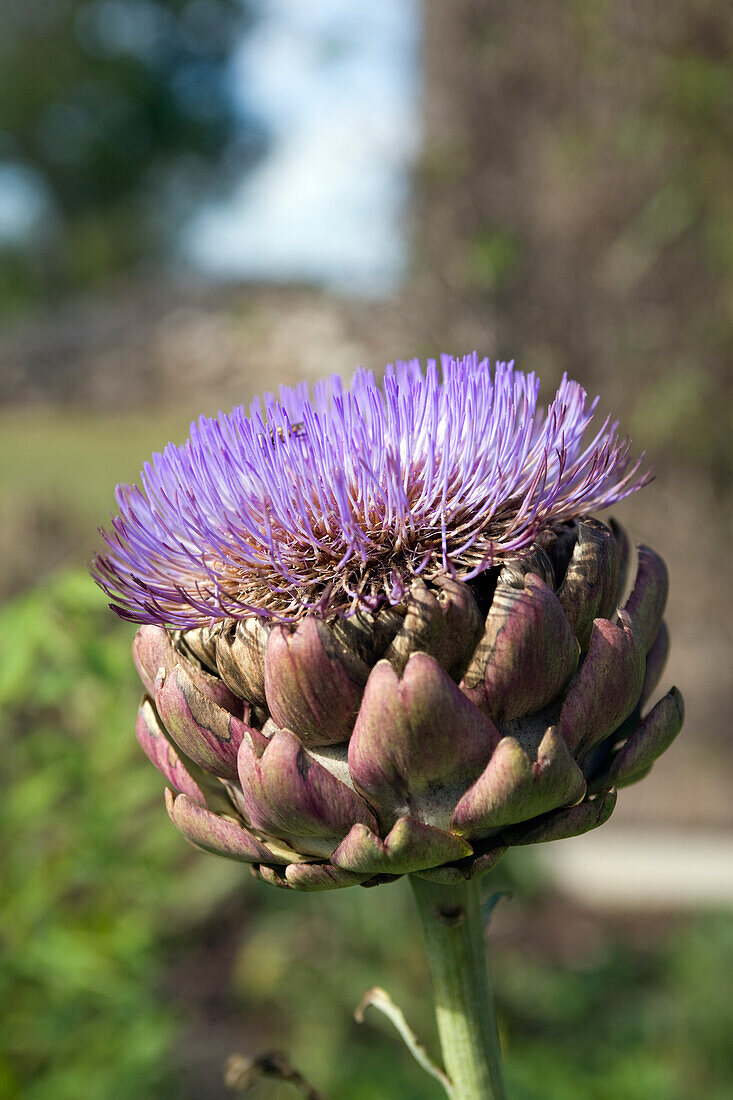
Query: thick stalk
x,y
464,1004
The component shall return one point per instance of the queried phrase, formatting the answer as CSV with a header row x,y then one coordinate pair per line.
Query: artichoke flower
x,y
382,633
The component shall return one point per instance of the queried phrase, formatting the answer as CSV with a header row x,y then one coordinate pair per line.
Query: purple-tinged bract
x,y
339,499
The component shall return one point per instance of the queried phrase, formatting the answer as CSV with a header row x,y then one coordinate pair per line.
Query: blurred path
x,y
643,867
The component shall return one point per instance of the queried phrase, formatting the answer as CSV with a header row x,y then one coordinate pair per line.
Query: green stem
x,y
464,1004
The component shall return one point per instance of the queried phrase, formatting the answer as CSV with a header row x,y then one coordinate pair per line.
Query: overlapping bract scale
x,y
423,738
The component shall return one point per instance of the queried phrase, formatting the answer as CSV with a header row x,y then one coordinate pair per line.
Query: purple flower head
x,y
337,499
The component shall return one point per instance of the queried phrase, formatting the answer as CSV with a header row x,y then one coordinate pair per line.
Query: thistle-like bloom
x,y
383,635
342,499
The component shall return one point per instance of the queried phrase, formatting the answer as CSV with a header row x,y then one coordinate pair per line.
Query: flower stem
x,y
464,1004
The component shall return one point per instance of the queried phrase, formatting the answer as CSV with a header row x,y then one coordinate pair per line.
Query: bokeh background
x,y
200,199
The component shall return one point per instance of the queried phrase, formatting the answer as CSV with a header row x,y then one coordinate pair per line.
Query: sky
x,y
336,84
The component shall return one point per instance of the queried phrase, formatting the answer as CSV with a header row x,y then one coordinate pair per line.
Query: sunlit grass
x,y
73,459
58,471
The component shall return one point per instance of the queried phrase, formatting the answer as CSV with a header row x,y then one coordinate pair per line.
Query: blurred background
x,y
200,199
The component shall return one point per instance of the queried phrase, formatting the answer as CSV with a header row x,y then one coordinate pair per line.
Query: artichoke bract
x,y
423,738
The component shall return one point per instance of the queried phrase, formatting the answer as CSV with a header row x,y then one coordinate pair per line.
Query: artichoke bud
x,y
384,635
313,683
538,562
240,657
558,543
369,634
589,588
442,620
199,646
424,738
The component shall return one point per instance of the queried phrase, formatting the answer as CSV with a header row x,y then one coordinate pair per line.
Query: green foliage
x,y
92,872
119,111
610,1020
623,1021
